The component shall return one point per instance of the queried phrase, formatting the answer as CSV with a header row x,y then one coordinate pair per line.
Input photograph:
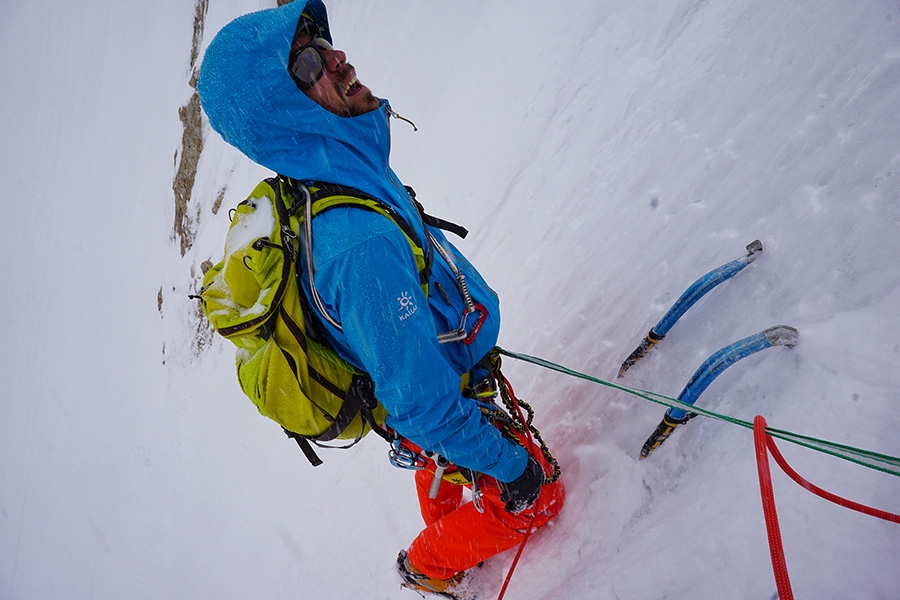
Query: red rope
x,y
872,512
537,502
776,550
515,561
764,441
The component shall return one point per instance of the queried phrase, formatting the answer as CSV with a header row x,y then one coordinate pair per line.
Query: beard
x,y
367,103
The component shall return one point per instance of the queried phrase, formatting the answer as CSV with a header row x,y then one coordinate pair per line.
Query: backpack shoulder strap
x,y
325,196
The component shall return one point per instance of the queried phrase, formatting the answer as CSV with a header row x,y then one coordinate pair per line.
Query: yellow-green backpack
x,y
253,298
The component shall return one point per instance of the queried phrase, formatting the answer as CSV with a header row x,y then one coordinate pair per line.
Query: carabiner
x,y
482,317
405,458
461,334
477,498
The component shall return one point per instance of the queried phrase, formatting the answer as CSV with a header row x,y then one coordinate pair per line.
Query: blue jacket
x,y
364,268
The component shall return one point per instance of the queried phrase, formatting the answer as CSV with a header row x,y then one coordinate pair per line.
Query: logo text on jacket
x,y
407,306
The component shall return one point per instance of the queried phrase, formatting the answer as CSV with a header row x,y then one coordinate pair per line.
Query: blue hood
x,y
252,102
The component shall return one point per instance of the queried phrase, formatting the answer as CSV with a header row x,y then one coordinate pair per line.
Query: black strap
x,y
306,447
360,400
441,223
436,221
364,388
351,405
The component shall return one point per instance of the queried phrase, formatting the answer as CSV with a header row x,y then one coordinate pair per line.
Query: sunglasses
x,y
306,63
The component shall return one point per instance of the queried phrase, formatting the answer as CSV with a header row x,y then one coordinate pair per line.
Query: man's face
x,y
338,89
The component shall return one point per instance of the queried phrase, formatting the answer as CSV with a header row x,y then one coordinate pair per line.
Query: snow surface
x,y
604,155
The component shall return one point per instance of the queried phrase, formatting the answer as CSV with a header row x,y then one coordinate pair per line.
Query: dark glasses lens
x,y
307,67
307,63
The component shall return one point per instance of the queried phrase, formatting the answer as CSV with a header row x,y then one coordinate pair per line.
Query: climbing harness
x,y
513,422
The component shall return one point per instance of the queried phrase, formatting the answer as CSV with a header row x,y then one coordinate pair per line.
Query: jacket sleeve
x,y
374,292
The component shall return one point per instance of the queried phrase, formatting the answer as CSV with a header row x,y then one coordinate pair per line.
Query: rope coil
x,y
519,422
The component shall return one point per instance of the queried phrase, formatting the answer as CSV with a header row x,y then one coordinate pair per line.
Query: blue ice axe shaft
x,y
712,367
690,297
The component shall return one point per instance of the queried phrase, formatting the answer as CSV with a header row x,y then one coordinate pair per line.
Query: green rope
x,y
880,462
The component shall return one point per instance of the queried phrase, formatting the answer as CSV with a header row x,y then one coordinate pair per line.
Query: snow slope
x,y
604,154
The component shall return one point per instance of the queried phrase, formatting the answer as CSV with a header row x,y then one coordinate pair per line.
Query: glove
x,y
521,493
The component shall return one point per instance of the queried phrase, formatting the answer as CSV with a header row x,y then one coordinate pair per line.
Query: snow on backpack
x,y
253,298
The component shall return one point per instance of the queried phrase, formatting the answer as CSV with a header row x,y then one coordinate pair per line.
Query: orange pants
x,y
458,537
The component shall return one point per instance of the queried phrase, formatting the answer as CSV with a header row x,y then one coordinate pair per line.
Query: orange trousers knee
x,y
457,536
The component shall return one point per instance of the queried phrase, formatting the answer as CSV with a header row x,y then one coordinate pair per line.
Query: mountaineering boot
x,y
445,588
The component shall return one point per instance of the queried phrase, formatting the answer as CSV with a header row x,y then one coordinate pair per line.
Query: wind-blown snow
x,y
604,155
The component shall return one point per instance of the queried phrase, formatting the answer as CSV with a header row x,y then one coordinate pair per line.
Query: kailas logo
x,y
407,306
